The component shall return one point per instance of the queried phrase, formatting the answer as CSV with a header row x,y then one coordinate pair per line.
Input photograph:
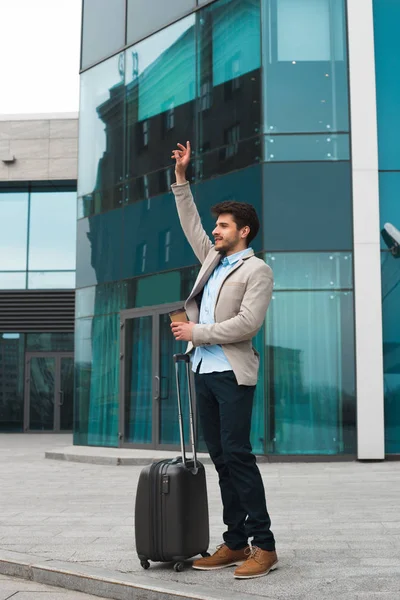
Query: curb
x,y
108,584
110,460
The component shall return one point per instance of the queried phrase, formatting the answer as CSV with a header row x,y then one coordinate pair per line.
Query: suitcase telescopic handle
x,y
186,359
182,358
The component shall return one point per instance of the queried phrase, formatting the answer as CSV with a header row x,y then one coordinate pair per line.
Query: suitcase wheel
x,y
179,566
145,564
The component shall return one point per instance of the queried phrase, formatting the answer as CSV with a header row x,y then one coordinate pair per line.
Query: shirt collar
x,y
233,258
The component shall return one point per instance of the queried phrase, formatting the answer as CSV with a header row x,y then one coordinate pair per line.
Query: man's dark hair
x,y
242,213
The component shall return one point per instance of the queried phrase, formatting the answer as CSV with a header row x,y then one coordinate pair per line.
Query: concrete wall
x,y
45,147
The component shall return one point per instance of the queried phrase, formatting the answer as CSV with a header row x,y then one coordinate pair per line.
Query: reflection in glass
x,y
12,281
11,382
103,29
138,397
310,271
101,135
13,230
386,40
389,203
99,241
231,157
305,66
229,78
163,288
310,373
160,89
66,393
391,350
42,388
51,280
50,342
83,374
104,383
306,147
240,186
168,415
307,206
52,231
145,17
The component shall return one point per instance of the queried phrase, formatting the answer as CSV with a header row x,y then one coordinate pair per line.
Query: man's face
x,y
226,234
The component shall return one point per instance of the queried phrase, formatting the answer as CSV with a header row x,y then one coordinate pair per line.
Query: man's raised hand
x,y
182,159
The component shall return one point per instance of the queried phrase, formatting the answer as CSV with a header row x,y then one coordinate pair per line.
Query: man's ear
x,y
245,231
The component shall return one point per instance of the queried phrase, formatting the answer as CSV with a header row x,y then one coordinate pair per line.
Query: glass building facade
x,y
387,54
37,235
38,255
260,88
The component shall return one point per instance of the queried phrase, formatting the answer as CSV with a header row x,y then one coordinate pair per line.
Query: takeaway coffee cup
x,y
178,316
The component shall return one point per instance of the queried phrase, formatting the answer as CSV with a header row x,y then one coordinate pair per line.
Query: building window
x,y
232,136
170,118
167,245
232,81
141,253
205,96
145,133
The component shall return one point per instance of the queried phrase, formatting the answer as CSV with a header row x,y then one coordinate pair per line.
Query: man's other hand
x,y
183,331
182,159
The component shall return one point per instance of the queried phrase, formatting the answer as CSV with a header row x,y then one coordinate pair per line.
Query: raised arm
x,y
187,210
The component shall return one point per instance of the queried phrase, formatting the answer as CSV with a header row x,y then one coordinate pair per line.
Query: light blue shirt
x,y
213,358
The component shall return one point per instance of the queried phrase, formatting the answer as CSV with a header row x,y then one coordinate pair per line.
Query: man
x,y
226,309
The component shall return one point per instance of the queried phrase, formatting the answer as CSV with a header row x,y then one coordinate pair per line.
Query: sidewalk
x,y
65,523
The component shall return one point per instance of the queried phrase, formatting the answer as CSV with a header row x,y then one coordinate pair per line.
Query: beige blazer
x,y
242,300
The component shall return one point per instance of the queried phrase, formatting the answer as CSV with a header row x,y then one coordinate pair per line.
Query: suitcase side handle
x,y
186,359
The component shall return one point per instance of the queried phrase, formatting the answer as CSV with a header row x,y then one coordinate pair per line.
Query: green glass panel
x,y
305,66
158,289
311,270
259,423
41,398
67,393
11,382
101,137
307,206
391,350
389,205
103,415
229,77
288,148
160,91
50,342
138,396
310,366
83,379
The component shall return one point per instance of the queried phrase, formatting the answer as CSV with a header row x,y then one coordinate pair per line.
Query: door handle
x,y
157,391
61,402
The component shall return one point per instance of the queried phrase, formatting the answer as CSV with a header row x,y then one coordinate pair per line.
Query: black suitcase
x,y
171,510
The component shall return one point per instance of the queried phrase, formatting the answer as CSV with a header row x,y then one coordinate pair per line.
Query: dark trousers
x,y
225,415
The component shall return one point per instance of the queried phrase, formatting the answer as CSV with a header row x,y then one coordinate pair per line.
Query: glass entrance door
x,y
49,384
148,407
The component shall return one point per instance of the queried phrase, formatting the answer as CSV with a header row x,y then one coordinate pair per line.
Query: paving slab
x,y
70,524
19,589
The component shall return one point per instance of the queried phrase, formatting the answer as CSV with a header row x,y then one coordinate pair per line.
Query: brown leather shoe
x,y
223,557
259,562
